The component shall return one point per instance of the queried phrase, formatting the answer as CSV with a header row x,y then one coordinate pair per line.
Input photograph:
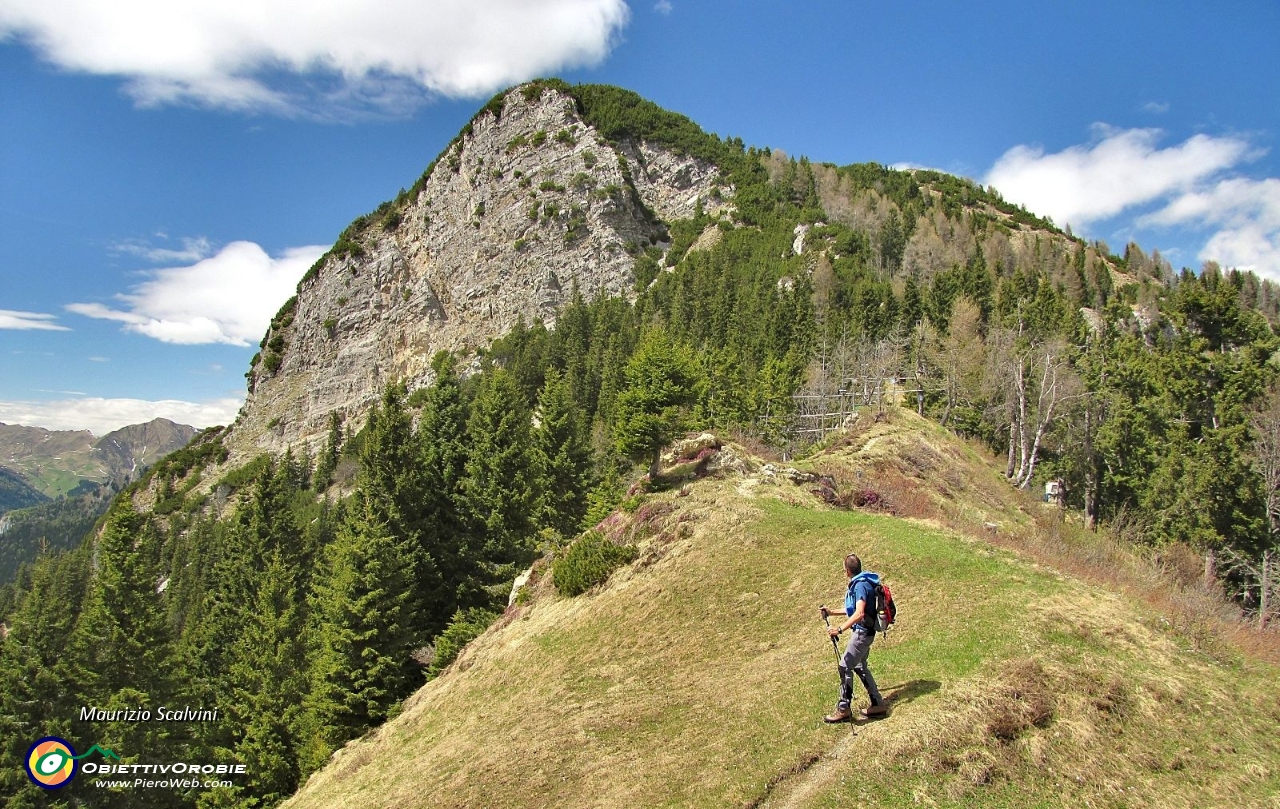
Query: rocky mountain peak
x,y
55,462
529,203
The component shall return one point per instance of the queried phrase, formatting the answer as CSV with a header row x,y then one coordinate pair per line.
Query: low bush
x,y
588,562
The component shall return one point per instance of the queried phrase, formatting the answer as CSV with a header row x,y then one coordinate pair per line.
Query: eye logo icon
x,y
51,762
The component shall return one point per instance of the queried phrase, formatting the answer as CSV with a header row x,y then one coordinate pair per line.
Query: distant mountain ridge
x,y
56,462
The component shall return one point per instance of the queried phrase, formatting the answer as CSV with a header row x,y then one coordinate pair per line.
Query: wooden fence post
x,y
1267,574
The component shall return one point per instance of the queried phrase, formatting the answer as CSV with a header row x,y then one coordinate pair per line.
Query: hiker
x,y
859,601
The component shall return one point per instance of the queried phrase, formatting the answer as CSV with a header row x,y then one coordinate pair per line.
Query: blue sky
x,y
168,171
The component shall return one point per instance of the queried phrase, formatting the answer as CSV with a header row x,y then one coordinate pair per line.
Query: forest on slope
x,y
306,597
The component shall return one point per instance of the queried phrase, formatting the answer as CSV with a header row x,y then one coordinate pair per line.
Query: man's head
x,y
852,565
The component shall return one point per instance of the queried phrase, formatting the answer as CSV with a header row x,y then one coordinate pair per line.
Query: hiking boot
x,y
875,710
840,715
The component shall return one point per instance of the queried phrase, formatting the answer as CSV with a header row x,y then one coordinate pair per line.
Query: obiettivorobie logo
x,y
51,762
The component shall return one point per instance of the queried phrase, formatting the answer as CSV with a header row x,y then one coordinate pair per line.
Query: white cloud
x,y
192,250
1156,107
286,55
9,319
1191,186
663,7
1118,170
101,416
226,298
1247,215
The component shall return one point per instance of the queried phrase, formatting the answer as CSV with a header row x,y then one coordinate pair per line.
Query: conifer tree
x,y
267,519
259,554
442,430
394,480
361,665
660,384
122,644
497,490
912,310
268,676
563,455
328,460
123,637
38,670
774,405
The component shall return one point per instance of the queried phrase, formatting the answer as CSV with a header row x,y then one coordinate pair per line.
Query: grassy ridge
x,y
698,676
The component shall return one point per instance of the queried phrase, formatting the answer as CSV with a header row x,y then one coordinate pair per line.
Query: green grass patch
x,y
698,676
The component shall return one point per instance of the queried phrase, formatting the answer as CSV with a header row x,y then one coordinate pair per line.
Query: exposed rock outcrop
x,y
527,205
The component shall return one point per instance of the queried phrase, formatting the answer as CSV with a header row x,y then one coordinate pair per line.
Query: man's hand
x,y
824,611
834,631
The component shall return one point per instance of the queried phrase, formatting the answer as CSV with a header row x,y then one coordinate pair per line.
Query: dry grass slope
x,y
698,675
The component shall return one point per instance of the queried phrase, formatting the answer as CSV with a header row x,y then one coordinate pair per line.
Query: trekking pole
x,y
834,645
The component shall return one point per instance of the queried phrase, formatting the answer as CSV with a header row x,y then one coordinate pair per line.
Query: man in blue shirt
x,y
860,616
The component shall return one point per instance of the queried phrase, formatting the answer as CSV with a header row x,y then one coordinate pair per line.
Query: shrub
x,y
610,191
244,475
577,225
588,562
464,628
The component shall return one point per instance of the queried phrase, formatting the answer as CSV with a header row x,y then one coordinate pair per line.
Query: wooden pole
x,y
1265,602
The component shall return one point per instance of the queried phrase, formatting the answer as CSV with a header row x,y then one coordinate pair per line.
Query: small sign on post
x,y
1053,491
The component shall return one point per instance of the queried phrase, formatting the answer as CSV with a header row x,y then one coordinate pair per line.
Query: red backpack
x,y
886,611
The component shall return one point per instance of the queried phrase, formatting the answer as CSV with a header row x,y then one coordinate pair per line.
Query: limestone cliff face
x,y
527,204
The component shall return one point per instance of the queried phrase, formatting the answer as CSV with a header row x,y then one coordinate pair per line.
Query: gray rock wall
x,y
514,215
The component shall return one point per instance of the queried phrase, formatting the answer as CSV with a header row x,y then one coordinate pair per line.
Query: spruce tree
x,y
123,637
563,455
122,643
442,435
394,481
496,490
660,383
38,668
361,665
328,460
268,677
